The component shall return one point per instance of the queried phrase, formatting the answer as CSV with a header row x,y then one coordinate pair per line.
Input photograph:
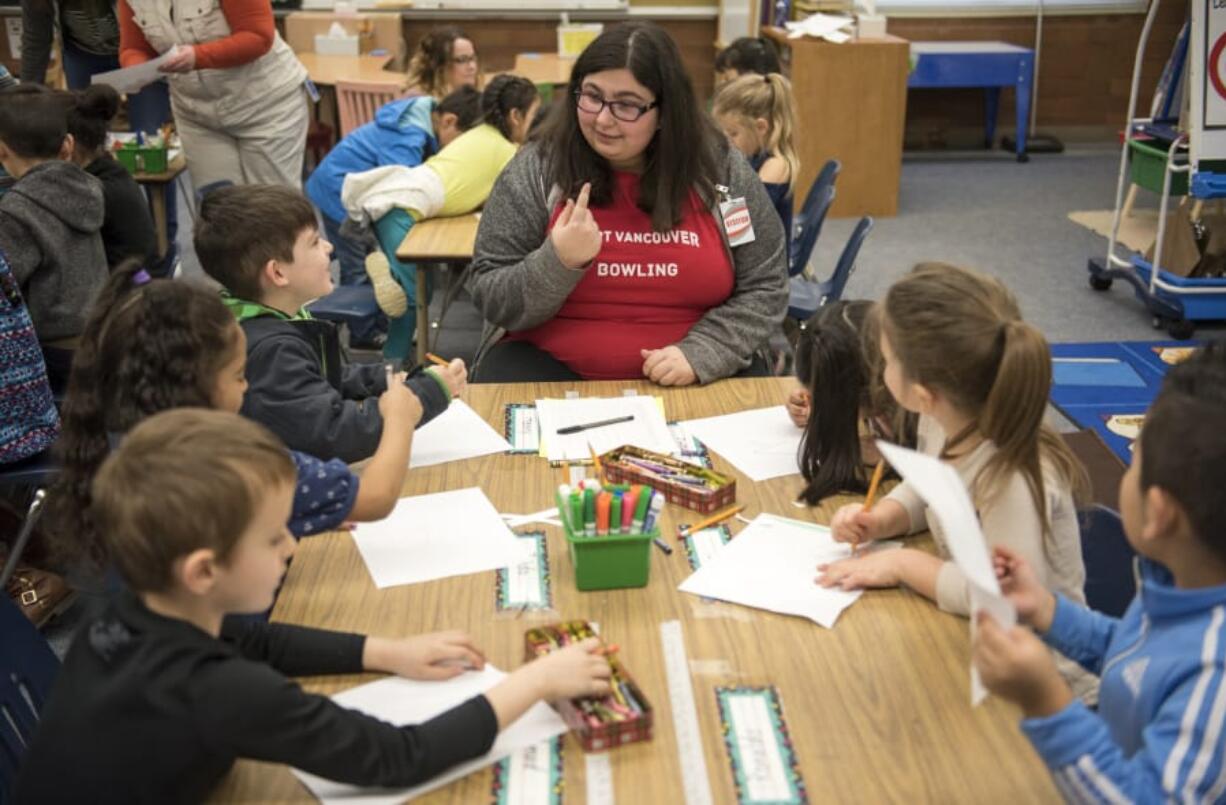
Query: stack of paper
x,y
762,443
772,565
435,536
832,28
404,701
456,434
648,429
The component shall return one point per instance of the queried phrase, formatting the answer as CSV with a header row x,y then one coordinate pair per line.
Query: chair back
x,y
1110,580
358,101
807,224
27,669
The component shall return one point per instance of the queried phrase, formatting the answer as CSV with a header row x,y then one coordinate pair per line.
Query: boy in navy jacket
x,y
1159,731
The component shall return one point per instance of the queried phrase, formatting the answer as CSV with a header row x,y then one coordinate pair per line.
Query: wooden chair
x,y
357,102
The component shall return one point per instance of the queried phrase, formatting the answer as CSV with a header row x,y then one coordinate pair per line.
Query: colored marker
x,y
590,425
589,512
640,510
628,506
615,513
576,512
653,513
603,501
563,509
662,545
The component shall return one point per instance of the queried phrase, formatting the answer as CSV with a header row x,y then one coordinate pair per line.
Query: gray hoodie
x,y
518,282
50,229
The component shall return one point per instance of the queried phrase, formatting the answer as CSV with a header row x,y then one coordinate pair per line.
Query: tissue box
x,y
337,45
870,26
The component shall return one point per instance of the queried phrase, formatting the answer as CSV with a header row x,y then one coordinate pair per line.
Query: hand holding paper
x,y
1015,664
179,59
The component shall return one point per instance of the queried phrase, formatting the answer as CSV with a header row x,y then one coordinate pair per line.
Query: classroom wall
x,y
1083,78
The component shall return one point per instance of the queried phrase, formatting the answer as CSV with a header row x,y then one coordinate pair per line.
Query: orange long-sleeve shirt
x,y
252,34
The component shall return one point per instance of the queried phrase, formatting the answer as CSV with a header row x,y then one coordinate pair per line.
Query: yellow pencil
x,y
714,519
872,493
596,464
436,360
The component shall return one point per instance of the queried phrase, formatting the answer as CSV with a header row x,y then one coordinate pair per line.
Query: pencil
x,y
718,517
436,360
872,493
596,464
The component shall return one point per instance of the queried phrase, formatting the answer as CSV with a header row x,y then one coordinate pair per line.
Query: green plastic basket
x,y
1148,166
611,562
142,159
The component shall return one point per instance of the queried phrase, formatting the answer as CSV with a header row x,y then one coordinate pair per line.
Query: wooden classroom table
x,y
436,242
877,708
326,70
160,183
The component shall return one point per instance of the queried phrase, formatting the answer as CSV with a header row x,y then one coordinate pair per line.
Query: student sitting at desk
x,y
404,132
748,55
630,240
262,243
444,61
455,181
153,705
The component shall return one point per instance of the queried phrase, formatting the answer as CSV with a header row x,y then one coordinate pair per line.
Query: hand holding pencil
x,y
855,522
454,373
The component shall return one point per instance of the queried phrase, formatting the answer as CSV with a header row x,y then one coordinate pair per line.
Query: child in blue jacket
x,y
1159,731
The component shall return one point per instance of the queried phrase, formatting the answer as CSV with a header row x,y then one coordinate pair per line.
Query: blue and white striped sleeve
x,y
1081,634
324,494
1181,758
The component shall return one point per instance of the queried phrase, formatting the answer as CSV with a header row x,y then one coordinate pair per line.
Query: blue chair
x,y
346,305
27,669
806,296
1110,583
807,224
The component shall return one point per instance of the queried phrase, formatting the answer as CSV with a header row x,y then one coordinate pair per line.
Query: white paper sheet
x,y
772,565
648,429
404,701
942,489
761,442
435,536
132,79
454,435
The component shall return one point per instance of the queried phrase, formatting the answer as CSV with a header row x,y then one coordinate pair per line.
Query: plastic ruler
x,y
599,774
694,780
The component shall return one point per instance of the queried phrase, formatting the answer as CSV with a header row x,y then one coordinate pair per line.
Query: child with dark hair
x,y
262,243
404,132
50,220
748,54
154,345
1158,731
455,181
154,702
842,404
127,227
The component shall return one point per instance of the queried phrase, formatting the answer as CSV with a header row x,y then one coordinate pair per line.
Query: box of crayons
x,y
621,717
683,483
609,528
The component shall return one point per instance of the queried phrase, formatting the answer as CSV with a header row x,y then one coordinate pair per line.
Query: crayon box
x,y
624,716
702,490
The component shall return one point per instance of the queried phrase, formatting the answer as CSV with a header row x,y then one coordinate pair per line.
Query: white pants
x,y
267,150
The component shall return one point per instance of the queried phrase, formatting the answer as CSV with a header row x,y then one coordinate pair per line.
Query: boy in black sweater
x,y
262,243
151,706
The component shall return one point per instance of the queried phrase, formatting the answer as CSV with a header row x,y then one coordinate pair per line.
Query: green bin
x,y
610,562
142,158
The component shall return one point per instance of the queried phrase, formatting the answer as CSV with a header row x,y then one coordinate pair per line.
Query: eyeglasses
x,y
625,111
467,58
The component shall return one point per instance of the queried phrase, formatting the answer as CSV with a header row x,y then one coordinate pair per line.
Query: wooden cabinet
x,y
851,102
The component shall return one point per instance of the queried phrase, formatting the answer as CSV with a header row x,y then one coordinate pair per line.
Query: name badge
x,y
737,223
311,90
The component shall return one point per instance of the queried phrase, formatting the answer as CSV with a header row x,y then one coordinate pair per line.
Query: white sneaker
x,y
389,295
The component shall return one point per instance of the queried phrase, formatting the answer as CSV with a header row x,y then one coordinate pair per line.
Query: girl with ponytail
x,y
758,116
454,181
127,226
958,354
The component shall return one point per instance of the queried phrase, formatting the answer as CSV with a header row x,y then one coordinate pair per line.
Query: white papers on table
x,y
942,489
762,442
406,701
454,435
772,565
647,430
832,28
132,79
435,536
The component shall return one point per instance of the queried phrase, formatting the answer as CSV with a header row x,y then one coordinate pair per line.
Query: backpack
x,y
29,421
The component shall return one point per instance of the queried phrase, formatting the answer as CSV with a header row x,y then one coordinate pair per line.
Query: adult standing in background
x,y
237,90
444,61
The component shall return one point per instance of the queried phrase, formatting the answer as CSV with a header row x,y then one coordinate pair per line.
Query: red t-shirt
x,y
644,290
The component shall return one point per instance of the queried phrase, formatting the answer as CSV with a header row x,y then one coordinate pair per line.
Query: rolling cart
x,y
1196,156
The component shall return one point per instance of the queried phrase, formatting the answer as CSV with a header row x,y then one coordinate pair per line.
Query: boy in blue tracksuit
x,y
1160,731
404,132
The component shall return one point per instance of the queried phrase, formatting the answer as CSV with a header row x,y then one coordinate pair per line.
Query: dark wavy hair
x,y
91,111
146,348
428,65
749,54
684,154
504,93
